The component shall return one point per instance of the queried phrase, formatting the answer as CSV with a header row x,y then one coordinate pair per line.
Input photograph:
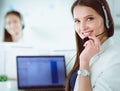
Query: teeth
x,y
87,33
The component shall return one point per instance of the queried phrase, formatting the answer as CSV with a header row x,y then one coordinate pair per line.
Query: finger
x,y
96,41
89,43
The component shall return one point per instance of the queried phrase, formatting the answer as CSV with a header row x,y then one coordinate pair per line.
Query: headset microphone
x,y
87,38
100,34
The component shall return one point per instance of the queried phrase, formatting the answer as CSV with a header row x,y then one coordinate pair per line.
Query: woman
x,y
13,27
97,61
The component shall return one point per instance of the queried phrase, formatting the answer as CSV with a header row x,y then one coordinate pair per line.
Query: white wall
x,y
1,16
115,10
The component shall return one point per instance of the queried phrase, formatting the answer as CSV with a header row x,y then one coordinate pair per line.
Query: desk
x,y
12,86
8,86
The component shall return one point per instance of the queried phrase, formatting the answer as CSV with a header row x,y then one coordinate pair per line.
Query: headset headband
x,y
105,13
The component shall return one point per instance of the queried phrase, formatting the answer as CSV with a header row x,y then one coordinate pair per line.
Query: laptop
x,y
41,73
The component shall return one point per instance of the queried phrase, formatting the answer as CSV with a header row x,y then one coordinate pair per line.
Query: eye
x,y
90,19
8,23
77,21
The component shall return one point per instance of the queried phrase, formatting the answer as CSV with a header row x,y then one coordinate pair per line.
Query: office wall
x,y
115,7
1,16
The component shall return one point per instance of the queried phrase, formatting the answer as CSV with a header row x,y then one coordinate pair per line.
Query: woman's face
x,y
87,22
13,24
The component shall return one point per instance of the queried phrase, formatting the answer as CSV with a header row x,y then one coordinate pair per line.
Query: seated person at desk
x,y
13,27
97,60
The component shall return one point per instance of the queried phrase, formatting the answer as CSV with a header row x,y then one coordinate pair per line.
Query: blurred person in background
x,y
13,27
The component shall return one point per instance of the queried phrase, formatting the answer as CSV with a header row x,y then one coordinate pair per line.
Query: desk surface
x,y
12,86
8,86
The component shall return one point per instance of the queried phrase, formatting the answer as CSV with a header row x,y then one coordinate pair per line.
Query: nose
x,y
83,26
12,25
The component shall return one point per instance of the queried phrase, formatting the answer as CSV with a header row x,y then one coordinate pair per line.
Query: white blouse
x,y
105,68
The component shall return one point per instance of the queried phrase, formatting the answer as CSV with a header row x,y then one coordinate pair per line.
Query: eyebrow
x,y
84,17
89,16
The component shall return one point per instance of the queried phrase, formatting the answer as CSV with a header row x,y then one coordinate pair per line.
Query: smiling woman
x,y
97,60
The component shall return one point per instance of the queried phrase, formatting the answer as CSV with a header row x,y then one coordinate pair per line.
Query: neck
x,y
103,38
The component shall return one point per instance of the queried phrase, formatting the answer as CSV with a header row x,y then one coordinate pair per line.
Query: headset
x,y
105,14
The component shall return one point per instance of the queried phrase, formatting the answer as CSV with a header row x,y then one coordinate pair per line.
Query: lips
x,y
88,33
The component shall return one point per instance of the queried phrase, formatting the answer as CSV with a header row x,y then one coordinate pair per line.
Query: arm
x,y
84,81
91,48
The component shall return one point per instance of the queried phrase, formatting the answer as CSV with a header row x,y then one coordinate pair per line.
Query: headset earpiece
x,y
107,22
106,18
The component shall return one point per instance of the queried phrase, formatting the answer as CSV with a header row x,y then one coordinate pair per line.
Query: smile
x,y
88,33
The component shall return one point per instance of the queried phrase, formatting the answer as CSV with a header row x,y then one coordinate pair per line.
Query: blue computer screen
x,y
41,71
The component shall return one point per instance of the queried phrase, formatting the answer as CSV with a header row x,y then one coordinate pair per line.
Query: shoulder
x,y
112,47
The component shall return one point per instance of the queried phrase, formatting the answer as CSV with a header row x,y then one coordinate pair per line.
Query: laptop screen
x,y
41,71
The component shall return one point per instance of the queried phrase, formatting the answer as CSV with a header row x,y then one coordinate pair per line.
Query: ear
x,y
23,26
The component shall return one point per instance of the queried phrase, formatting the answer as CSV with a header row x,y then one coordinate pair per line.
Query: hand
x,y
92,47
